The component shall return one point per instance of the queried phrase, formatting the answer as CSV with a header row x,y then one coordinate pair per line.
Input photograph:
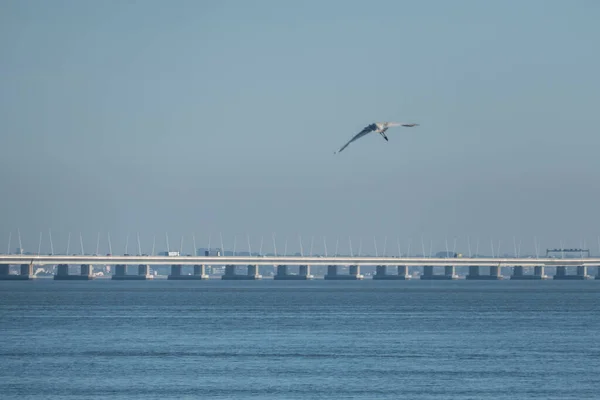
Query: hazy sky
x,y
222,116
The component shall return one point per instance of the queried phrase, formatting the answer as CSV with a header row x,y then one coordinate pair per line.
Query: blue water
x,y
299,340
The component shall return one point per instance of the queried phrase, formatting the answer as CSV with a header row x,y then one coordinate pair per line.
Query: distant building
x,y
208,253
169,253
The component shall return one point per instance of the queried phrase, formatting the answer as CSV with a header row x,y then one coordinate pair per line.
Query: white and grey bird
x,y
378,127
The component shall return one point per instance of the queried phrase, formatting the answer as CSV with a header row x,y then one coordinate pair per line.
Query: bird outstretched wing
x,y
367,129
410,125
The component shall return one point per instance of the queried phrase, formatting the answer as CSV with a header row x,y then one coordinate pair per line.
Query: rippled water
x,y
300,340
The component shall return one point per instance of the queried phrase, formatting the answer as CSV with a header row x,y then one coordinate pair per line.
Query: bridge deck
x,y
282,260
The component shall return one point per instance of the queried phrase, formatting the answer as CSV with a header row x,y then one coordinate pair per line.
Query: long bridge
x,y
303,262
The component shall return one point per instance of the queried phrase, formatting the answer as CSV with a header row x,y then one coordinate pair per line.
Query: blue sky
x,y
222,116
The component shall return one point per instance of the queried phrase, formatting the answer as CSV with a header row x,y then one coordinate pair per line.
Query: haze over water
x,y
299,340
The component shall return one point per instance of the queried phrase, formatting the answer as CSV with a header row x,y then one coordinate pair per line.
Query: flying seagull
x,y
379,127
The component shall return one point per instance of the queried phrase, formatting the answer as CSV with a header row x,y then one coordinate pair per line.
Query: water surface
x,y
299,340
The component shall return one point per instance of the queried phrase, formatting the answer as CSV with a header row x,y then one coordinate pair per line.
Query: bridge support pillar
x,y
283,275
121,274
598,273
229,273
62,273
449,270
253,272
86,270
27,270
143,269
517,272
561,274
381,273
304,272
354,273
538,273
230,270
120,270
474,274
232,276
448,273
495,273
25,273
427,272
332,271
177,275
62,270
200,271
403,272
175,271
282,271
144,272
